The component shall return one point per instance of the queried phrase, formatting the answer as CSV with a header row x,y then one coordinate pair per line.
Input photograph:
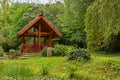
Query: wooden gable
x,y
46,26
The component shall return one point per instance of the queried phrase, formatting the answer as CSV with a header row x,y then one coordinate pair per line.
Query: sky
x,y
38,1
35,1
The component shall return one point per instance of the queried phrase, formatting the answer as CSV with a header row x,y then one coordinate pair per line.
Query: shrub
x,y
62,50
69,49
79,54
44,52
1,51
58,50
12,51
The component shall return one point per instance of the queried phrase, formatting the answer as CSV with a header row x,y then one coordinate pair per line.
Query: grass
x,y
100,67
16,71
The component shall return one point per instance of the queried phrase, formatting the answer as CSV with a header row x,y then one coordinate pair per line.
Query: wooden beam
x,y
28,26
51,26
46,33
34,36
22,49
33,33
26,44
39,31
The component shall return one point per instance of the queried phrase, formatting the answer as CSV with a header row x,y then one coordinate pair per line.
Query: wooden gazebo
x,y
41,31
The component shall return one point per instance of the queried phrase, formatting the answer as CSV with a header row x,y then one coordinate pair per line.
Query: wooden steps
x,y
28,55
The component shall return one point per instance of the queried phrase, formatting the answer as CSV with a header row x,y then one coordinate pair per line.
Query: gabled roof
x,y
46,26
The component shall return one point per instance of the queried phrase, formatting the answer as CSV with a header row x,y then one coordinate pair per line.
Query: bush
x,y
58,50
69,49
1,51
62,50
12,54
79,54
12,51
44,52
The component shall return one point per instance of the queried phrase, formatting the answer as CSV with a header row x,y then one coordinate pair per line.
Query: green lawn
x,y
98,68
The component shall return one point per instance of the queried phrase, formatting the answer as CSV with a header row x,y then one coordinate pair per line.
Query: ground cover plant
x,y
42,68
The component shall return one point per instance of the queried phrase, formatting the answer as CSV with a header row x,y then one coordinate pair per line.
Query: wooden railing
x,y
31,48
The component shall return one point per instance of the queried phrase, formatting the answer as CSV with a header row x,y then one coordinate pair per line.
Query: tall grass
x,y
17,71
45,69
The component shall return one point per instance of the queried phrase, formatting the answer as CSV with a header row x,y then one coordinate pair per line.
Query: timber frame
x,y
39,28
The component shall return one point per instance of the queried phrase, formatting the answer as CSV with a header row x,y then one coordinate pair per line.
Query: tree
x,y
4,19
102,25
73,28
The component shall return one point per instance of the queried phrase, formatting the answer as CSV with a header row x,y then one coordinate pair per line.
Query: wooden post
x,y
39,30
23,46
26,44
50,42
34,41
34,36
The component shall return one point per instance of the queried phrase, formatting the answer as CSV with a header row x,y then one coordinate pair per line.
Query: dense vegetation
x,y
90,24
96,19
103,25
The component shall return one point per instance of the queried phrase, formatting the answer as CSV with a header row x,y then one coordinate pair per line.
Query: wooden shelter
x,y
41,31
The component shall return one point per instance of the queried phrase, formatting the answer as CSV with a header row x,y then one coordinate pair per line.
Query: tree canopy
x,y
102,23
92,24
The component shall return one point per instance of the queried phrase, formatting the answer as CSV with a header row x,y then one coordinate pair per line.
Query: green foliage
x,y
102,25
62,50
45,69
69,49
17,20
59,50
2,39
71,71
114,45
99,68
14,17
4,20
72,25
53,12
35,77
112,64
12,51
44,52
1,51
17,70
79,54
